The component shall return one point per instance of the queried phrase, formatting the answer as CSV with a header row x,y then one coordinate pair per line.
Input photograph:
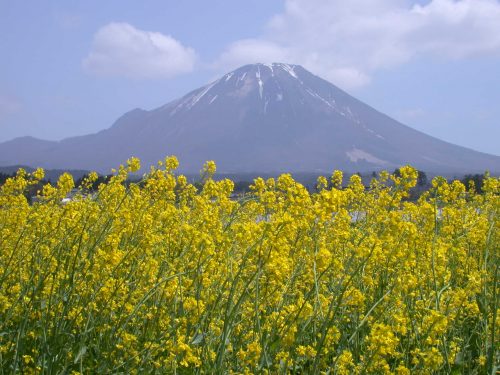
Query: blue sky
x,y
73,67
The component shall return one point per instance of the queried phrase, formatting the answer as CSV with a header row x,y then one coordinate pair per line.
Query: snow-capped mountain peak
x,y
257,118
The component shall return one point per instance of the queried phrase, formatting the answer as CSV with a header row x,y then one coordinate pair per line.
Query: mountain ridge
x,y
257,118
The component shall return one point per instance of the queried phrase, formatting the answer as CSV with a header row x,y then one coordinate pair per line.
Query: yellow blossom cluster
x,y
160,276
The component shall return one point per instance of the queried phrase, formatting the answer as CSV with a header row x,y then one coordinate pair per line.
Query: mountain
x,y
258,118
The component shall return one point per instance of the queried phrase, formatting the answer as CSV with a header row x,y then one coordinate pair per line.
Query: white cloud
x,y
249,51
347,41
119,49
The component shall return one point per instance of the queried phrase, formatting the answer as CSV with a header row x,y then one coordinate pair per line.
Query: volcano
x,y
263,118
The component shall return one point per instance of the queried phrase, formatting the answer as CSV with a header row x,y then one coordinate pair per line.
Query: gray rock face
x,y
258,118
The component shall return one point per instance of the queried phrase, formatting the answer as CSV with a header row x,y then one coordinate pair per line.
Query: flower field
x,y
161,277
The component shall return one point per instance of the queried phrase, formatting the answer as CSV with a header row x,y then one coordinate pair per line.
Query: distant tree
x,y
476,179
4,177
422,178
242,186
30,191
95,185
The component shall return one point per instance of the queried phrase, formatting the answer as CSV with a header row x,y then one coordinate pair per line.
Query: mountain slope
x,y
258,118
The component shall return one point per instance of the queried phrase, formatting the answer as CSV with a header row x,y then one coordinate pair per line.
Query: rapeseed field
x,y
161,277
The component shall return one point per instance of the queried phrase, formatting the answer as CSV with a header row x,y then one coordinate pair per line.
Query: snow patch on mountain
x,y
270,66
242,77
373,132
266,103
317,96
192,100
259,80
289,69
356,154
